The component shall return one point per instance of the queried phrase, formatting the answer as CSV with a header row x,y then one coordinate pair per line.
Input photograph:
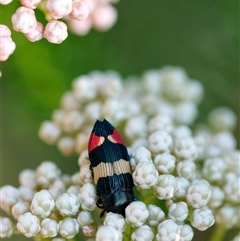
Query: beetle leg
x,y
99,203
102,214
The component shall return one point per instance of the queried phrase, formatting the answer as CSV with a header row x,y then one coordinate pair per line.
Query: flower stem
x,y
218,233
127,233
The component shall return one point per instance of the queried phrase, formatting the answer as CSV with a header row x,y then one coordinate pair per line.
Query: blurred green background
x,y
202,36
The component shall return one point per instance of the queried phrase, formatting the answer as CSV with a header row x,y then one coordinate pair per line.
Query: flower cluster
x,y
77,15
184,178
159,97
7,46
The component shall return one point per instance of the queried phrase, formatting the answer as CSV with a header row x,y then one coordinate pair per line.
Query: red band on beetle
x,y
94,141
116,138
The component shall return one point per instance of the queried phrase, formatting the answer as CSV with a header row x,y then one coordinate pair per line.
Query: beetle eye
x,y
116,138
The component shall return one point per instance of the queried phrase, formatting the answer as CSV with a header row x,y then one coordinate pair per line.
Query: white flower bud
x,y
108,233
5,2
224,140
227,216
75,178
67,204
140,154
68,228
26,194
165,187
27,178
84,88
55,31
81,141
160,141
151,80
145,175
84,218
186,233
83,159
20,208
9,195
217,197
136,213
36,33
66,145
58,184
55,192
24,20
88,197
186,169
104,17
143,233
89,230
49,132
6,227
136,127
58,116
28,225
74,189
233,161
194,91
115,220
59,8
181,132
47,173
161,123
30,3
69,102
214,169
222,118
182,186
168,230
202,219
111,85
198,194
92,111
49,228
236,238
72,121
231,190
42,203
165,163
186,149
114,109
178,211
85,175
185,112
156,215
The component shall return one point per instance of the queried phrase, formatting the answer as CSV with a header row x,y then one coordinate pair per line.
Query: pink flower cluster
x,y
80,16
7,46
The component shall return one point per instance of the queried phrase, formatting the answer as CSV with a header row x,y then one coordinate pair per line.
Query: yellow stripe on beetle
x,y
105,169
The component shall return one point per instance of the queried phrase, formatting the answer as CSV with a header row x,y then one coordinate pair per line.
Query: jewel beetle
x,y
111,169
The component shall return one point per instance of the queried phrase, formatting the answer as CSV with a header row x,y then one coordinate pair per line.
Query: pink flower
x,y
59,8
36,33
5,2
4,30
7,46
104,17
80,27
80,10
55,31
30,3
23,20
